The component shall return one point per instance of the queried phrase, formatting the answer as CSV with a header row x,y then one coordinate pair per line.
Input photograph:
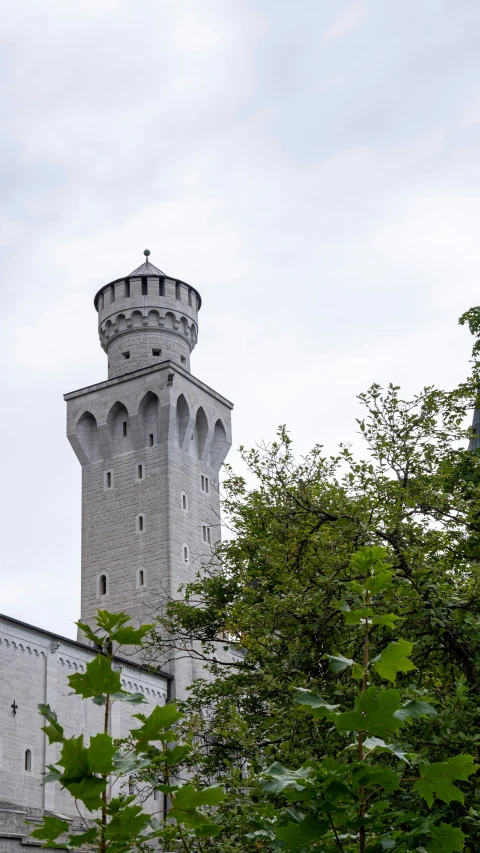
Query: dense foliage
x,y
99,774
267,617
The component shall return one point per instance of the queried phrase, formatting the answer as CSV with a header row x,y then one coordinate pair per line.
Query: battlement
x,y
145,318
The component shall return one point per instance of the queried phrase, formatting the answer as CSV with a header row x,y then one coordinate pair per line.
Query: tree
x,y
151,755
270,595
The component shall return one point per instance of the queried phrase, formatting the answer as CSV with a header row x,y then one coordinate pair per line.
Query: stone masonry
x,y
151,440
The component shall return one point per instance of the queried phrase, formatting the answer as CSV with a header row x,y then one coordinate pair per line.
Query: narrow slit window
x,y
177,290
124,429
103,585
112,294
102,302
108,479
161,287
141,579
144,285
126,354
150,439
140,472
183,359
190,297
28,760
184,502
156,353
185,554
141,524
127,290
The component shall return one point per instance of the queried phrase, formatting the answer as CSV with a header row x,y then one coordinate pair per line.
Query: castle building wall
x,y
150,489
34,669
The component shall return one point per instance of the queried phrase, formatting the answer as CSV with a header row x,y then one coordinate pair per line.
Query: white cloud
x,y
349,19
322,193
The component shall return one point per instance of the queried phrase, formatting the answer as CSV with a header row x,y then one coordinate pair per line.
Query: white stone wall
x,y
191,430
165,318
34,668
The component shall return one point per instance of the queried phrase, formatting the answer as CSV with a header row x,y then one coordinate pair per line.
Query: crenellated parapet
x,y
145,318
155,406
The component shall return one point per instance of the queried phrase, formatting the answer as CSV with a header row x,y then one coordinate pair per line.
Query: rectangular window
x,y
151,439
183,359
156,353
161,287
189,297
177,290
205,484
144,285
112,294
127,289
126,354
125,429
206,534
108,480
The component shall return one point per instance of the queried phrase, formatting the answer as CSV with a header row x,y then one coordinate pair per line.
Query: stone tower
x,y
150,440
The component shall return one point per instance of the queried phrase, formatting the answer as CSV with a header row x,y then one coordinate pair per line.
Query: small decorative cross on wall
x,y
14,708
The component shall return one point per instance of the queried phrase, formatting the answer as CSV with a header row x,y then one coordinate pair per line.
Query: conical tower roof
x,y
146,268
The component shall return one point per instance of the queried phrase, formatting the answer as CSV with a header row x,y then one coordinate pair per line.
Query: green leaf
x,y
277,777
366,776
79,765
132,698
297,835
338,663
94,638
357,617
100,754
74,758
99,678
319,708
372,743
437,779
374,713
394,659
377,583
200,822
110,622
153,728
387,621
54,730
51,828
88,837
130,762
129,636
415,709
175,756
127,823
88,790
208,830
446,839
188,797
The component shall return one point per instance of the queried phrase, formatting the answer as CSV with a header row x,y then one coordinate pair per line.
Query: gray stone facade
x,y
151,440
34,668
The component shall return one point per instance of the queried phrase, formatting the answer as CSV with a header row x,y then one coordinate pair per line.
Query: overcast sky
x,y
311,167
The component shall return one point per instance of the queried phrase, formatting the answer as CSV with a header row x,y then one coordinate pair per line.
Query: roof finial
x,y
146,252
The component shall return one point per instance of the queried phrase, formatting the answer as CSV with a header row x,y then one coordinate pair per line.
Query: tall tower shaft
x,y
151,440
